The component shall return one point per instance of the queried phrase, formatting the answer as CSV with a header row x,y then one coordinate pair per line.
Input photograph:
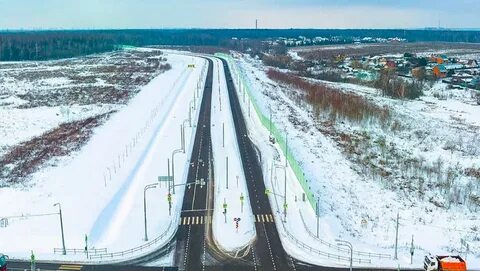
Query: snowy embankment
x,y
225,146
352,207
101,189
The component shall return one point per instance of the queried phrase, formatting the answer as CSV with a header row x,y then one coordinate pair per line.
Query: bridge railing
x,y
137,249
91,251
339,248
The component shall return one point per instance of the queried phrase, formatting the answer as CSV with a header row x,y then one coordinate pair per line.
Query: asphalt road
x,y
190,253
268,253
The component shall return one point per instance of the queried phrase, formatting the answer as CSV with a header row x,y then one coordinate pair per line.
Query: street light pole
x,y
226,175
173,167
148,186
318,216
64,252
284,191
350,246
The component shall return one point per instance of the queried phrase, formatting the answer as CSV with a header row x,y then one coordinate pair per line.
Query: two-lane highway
x,y
191,247
268,252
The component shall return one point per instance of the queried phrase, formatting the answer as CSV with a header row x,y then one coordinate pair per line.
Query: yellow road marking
x,y
271,218
263,218
201,220
188,220
267,219
196,220
70,267
258,218
184,220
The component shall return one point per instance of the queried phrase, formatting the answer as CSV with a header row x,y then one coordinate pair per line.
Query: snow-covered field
x,y
36,97
101,187
361,207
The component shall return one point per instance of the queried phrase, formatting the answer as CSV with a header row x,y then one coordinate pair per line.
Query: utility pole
x,y
270,121
396,237
223,134
64,252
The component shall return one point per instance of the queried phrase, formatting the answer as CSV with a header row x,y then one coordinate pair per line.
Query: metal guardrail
x,y
322,253
346,250
135,249
92,251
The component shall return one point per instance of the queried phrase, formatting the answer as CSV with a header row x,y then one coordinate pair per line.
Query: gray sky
x,y
46,14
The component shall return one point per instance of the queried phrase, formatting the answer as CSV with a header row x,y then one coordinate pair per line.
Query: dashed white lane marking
x,y
254,259
269,248
186,248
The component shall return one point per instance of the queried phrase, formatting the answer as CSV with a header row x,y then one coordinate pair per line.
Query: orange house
x,y
440,71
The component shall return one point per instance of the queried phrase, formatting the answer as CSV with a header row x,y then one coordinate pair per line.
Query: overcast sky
x,y
47,14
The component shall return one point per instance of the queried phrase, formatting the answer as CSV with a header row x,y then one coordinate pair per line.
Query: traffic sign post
x,y
86,245
225,209
169,199
236,219
241,202
412,250
32,262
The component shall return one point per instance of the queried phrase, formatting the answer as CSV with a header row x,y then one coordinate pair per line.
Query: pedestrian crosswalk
x,y
264,218
195,220
200,220
73,267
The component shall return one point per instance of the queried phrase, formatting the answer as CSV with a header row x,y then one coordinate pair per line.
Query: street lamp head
x,y
56,204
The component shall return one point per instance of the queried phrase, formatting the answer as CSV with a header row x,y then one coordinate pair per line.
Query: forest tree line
x,y
44,45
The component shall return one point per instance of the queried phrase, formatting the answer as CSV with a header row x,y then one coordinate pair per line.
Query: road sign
x,y
241,197
236,219
267,192
169,197
165,178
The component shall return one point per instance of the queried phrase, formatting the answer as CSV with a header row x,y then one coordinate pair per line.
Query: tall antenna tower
x,y
256,23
